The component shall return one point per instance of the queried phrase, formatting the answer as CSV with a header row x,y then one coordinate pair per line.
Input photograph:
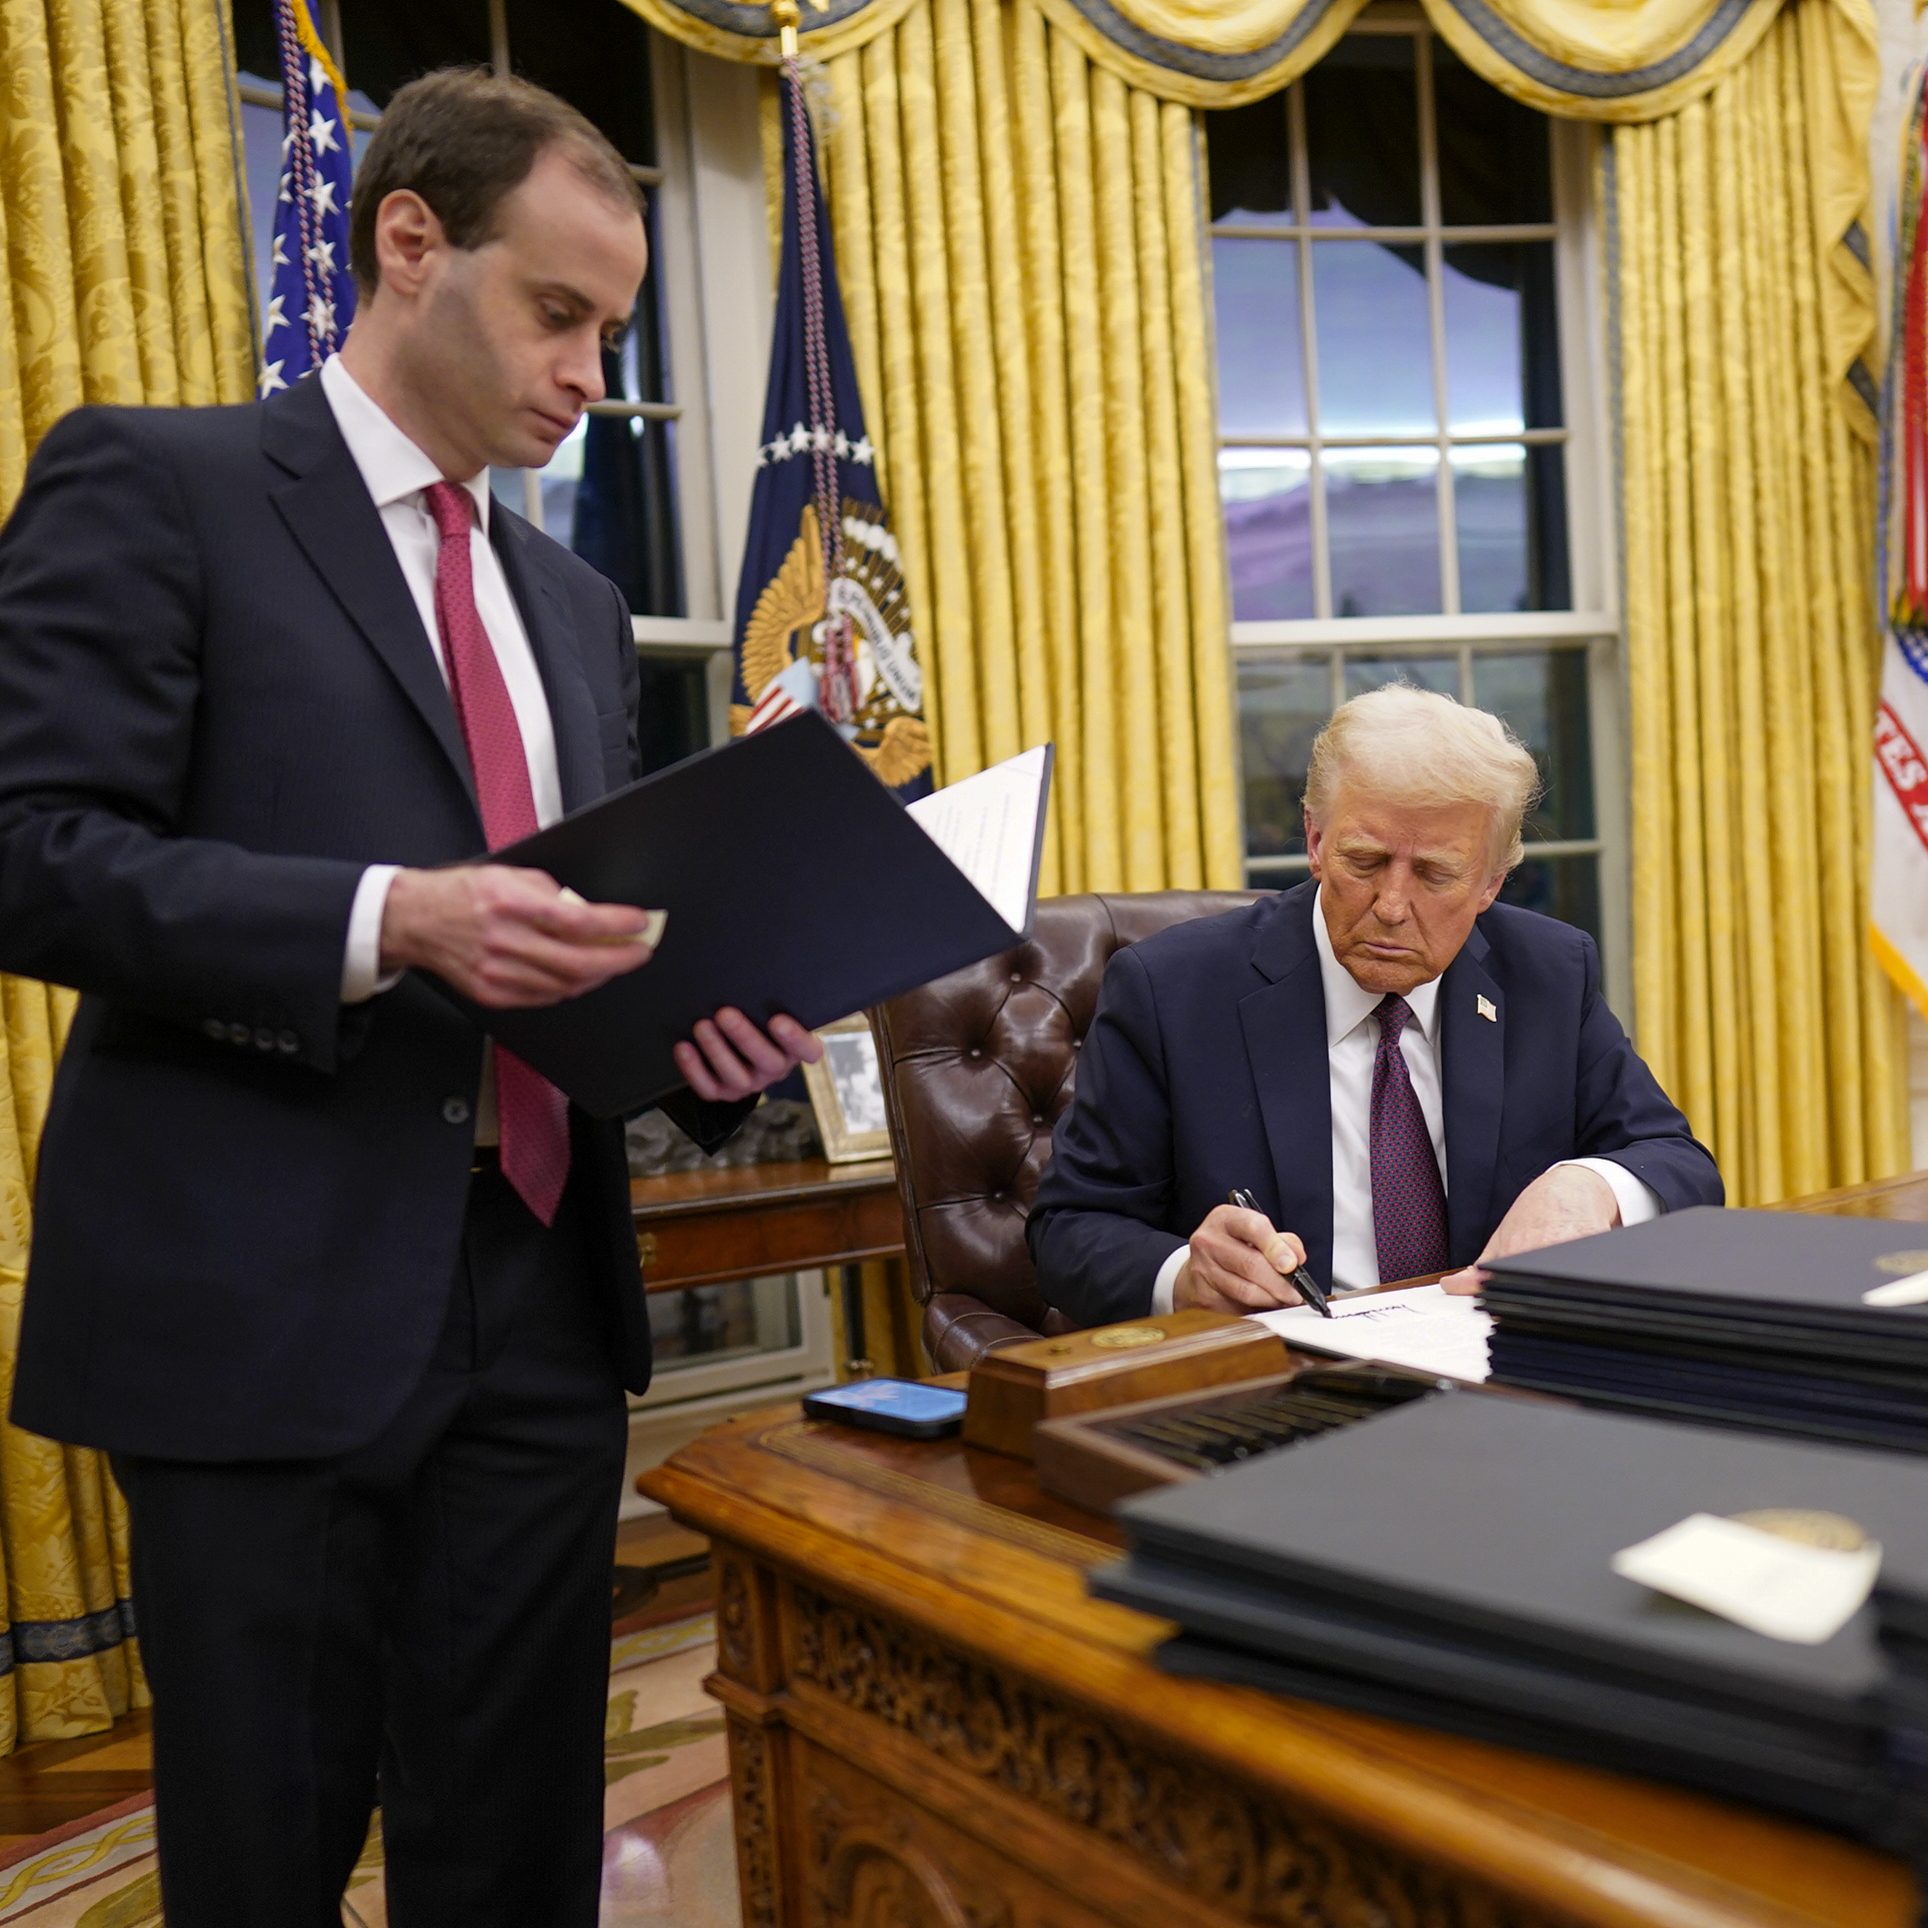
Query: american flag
x,y
311,299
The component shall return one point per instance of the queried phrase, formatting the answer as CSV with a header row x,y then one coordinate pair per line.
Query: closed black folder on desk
x,y
1733,1317
1450,1563
794,882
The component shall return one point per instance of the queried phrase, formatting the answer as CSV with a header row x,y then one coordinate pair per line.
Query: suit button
x,y
264,1039
455,1111
215,1029
288,1043
239,1034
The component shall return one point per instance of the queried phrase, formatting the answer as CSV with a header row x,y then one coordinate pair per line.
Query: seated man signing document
x,y
1406,1076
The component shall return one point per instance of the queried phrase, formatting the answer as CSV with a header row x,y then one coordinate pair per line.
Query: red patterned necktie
x,y
533,1114
1408,1201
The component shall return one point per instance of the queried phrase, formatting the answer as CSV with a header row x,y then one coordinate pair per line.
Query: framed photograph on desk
x,y
847,1093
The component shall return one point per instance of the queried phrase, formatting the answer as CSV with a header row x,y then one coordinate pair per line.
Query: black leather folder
x,y
794,882
1863,1800
1451,1564
1771,1278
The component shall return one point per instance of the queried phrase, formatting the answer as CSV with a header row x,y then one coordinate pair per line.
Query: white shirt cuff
x,y
1166,1282
1638,1201
361,964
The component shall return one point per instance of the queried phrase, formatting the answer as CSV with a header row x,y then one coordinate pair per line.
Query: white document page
x,y
1424,1327
988,825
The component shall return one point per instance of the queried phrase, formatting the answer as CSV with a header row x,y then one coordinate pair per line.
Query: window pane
x,y
609,493
384,45
1493,164
261,150
1375,340
1510,506
1283,703
639,370
597,58
675,709
1439,673
1362,134
1268,532
1542,694
1382,530
1248,162
1261,354
1564,887
1502,337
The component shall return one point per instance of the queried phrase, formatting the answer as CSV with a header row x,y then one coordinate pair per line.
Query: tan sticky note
x,y
1774,1586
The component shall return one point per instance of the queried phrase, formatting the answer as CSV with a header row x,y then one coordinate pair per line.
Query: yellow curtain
x,y
1752,648
122,279
1019,240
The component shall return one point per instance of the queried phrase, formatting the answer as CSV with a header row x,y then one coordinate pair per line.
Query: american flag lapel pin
x,y
1487,1009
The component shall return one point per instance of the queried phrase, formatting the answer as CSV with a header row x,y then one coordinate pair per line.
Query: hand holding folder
x,y
792,882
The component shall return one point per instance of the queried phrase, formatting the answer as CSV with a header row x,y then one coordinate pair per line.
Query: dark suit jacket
x,y
1206,1067
217,706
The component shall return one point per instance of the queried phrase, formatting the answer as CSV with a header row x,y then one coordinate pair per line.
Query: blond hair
x,y
1405,745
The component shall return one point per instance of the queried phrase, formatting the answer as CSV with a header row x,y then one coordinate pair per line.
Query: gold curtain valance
x,y
1585,59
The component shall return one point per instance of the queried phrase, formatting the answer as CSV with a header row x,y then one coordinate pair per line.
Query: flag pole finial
x,y
787,17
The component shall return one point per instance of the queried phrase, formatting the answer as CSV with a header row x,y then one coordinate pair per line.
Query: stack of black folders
x,y
1449,1564
1735,1318
1901,1611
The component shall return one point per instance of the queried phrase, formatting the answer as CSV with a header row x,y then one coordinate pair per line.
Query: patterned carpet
x,y
668,1856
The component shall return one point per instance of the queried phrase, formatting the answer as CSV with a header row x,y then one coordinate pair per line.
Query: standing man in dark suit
x,y
1405,1074
350,1295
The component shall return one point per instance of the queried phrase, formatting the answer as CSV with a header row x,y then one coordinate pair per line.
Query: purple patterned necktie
x,y
1408,1201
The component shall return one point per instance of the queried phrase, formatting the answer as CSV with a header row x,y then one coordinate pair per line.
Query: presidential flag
x,y
823,619
1900,893
311,298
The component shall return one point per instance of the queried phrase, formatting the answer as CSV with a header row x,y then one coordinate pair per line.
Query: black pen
x,y
1300,1279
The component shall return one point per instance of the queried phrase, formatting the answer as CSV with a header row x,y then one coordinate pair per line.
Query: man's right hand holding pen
x,y
1240,1262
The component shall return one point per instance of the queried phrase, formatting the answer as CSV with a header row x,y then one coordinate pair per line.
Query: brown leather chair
x,y
977,1068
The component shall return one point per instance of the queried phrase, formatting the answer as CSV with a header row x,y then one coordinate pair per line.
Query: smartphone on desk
x,y
891,1406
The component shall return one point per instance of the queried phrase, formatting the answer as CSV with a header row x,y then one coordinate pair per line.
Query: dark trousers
x,y
429,1612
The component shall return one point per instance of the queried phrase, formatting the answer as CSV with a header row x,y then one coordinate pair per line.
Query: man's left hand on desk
x,y
1565,1203
728,1058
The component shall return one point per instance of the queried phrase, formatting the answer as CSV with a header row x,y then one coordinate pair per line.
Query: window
x,y
636,489
1408,452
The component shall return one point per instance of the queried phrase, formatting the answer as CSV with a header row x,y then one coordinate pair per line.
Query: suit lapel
x,y
545,616
1285,1039
328,511
1472,1051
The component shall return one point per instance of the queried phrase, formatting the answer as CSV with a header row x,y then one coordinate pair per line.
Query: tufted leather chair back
x,y
977,1068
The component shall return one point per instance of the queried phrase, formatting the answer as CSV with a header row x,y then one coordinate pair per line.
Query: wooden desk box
x,y
1190,1351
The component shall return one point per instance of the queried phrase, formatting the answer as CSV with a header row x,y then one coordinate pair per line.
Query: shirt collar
x,y
1348,1004
394,469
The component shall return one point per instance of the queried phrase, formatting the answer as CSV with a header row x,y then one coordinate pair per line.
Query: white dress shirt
x,y
397,472
1352,1043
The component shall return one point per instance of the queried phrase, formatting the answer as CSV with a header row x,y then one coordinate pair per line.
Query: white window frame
x,y
1593,625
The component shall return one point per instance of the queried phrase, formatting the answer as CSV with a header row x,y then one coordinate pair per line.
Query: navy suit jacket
x,y
217,706
1206,1068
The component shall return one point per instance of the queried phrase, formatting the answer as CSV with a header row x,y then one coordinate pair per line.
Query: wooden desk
x,y
932,1726
747,1221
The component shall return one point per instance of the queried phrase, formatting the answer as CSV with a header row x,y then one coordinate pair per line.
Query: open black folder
x,y
794,881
